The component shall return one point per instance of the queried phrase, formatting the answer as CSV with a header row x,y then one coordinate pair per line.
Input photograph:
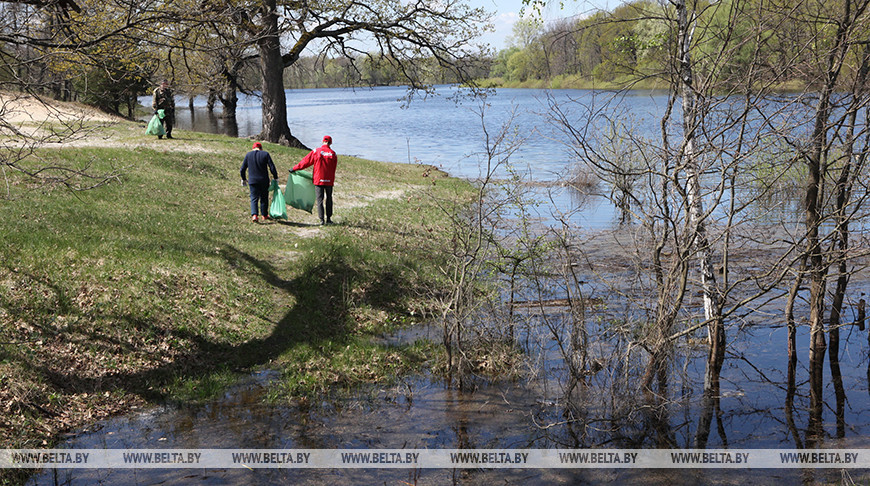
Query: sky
x,y
507,12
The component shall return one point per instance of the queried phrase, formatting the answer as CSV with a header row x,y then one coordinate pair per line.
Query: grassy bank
x,y
158,287
573,82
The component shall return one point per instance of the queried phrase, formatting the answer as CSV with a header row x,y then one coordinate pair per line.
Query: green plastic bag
x,y
155,127
278,209
299,192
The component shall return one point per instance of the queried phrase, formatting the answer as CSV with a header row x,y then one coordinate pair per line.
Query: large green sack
x,y
155,127
278,209
299,192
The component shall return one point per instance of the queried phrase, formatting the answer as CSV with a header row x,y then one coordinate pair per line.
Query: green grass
x,y
338,367
157,286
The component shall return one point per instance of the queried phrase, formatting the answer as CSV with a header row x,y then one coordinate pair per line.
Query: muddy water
x,y
420,412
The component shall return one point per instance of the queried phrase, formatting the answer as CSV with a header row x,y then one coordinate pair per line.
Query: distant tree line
x,y
374,70
108,53
627,46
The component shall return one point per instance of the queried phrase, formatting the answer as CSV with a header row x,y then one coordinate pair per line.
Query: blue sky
x,y
507,12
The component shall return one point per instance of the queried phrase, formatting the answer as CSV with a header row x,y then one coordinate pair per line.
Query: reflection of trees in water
x,y
711,404
580,197
207,121
776,207
607,408
581,306
231,126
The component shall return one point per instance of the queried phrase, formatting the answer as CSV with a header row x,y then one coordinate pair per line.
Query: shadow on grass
x,y
297,224
319,315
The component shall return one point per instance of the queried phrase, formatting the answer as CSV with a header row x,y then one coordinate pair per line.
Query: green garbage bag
x,y
155,127
278,209
299,192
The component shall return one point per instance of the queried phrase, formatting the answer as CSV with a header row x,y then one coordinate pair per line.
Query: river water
x,y
450,132
421,412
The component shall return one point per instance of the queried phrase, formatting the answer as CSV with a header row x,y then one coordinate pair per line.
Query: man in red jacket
x,y
324,161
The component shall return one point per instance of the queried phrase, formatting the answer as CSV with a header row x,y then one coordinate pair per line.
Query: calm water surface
x,y
422,413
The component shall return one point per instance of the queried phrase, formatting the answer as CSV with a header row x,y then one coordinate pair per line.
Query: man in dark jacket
x,y
324,160
164,99
258,163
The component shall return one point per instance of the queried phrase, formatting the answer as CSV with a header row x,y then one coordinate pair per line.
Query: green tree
x,y
522,65
500,63
528,61
590,52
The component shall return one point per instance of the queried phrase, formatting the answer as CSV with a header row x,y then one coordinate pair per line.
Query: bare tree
x,y
834,60
474,247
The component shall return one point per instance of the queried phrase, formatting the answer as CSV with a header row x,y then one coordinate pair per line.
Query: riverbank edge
x,y
574,82
70,360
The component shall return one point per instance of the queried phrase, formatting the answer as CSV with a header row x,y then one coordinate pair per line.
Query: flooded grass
x,y
339,368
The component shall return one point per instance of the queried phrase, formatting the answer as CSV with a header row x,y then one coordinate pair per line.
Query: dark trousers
x,y
324,192
168,120
260,195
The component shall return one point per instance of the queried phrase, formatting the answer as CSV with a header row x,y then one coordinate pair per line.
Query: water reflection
x,y
200,119
710,405
742,396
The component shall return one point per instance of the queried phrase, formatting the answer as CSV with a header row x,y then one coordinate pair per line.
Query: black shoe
x,y
328,221
159,137
168,135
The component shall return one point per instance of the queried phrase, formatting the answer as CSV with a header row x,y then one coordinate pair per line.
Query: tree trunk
x,y
791,389
230,102
693,182
817,277
818,268
212,98
711,403
842,217
275,127
230,97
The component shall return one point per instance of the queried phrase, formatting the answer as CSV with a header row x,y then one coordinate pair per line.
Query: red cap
x,y
327,139
258,145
